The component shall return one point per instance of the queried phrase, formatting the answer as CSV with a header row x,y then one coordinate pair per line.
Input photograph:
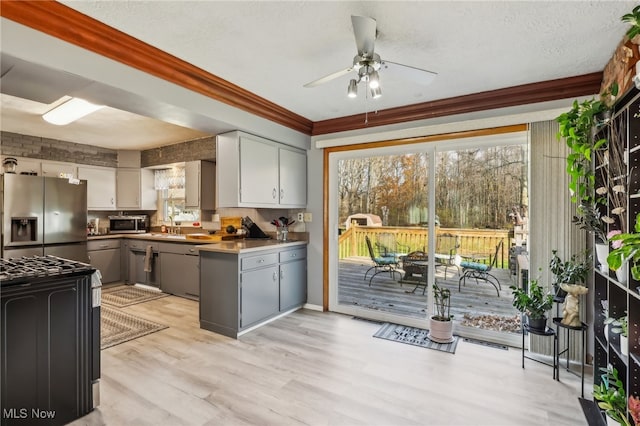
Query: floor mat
x,y
127,295
117,327
414,336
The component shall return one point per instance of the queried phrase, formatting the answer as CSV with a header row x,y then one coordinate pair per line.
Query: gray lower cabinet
x,y
105,256
238,291
293,278
179,269
137,259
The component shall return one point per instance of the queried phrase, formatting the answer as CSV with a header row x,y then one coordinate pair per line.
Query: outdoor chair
x,y
481,271
446,251
380,263
388,246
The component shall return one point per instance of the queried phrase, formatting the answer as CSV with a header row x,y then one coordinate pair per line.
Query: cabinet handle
x,y
103,246
281,275
261,261
294,254
275,276
112,203
192,250
281,194
274,193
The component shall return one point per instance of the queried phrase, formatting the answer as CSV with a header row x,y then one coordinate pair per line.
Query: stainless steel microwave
x,y
129,224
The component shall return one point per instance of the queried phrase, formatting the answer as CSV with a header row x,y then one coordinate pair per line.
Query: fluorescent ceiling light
x,y
70,111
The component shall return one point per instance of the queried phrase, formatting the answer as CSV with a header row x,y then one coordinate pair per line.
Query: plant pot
x,y
624,345
537,323
602,251
606,332
440,331
621,274
611,422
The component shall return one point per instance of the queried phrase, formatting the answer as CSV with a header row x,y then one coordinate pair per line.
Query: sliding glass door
x,y
385,203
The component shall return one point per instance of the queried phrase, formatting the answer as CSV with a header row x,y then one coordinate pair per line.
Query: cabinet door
x,y
191,276
108,262
172,273
101,187
293,284
63,170
293,178
258,173
192,184
259,295
128,188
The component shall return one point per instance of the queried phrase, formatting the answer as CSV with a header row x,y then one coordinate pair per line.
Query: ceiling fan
x,y
367,63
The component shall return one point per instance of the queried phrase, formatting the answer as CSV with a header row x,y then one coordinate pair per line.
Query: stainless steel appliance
x,y
42,216
128,224
51,337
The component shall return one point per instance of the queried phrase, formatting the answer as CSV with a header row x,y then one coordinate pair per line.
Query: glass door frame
x,y
334,158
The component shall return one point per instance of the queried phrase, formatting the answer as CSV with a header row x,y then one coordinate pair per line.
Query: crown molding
x,y
65,23
550,90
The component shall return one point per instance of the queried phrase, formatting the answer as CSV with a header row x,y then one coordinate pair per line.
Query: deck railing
x,y
479,244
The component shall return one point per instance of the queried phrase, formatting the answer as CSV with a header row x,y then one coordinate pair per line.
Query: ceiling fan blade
x,y
329,77
364,29
417,75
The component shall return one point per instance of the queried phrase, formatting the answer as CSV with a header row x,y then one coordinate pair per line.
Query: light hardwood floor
x,y
314,368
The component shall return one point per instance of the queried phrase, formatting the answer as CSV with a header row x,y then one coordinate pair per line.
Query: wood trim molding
x,y
60,21
583,85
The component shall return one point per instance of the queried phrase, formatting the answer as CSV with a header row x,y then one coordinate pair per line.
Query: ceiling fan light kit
x,y
367,63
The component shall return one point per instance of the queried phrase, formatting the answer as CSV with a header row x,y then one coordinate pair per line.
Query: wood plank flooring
x,y
387,294
314,368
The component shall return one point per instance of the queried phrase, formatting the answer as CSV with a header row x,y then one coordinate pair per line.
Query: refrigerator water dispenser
x,y
24,229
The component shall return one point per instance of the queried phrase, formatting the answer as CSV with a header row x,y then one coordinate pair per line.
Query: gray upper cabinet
x,y
134,189
101,187
200,183
257,172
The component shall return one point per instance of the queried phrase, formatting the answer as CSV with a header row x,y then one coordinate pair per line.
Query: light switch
x,y
307,217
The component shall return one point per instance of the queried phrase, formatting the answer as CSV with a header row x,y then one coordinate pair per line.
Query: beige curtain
x,y
550,224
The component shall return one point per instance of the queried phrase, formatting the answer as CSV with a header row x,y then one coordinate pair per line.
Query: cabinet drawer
x,y
295,254
93,245
259,261
142,245
178,248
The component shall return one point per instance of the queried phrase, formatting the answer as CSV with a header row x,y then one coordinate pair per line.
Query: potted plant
x,y
572,271
611,396
534,304
621,326
626,249
441,324
634,19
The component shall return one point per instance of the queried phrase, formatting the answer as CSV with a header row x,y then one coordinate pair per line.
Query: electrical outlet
x,y
307,217
300,217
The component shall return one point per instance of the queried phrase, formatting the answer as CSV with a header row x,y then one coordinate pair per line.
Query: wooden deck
x,y
394,296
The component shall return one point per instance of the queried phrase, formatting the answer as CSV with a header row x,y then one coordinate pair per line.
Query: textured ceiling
x,y
273,48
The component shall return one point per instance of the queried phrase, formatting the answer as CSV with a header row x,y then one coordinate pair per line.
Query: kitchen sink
x,y
169,236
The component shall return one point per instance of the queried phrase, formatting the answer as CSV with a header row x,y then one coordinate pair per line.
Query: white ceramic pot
x,y
606,332
624,345
602,251
440,331
611,422
622,273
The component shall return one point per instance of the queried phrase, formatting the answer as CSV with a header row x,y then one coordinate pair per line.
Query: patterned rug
x,y
127,295
414,336
118,327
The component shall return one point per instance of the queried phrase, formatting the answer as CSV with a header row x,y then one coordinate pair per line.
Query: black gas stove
x,y
29,270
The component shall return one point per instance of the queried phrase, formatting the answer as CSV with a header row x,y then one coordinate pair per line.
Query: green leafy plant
x,y
611,396
442,299
633,18
534,303
627,251
572,271
620,325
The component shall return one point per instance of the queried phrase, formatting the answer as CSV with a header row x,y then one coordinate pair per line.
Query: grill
x,y
23,270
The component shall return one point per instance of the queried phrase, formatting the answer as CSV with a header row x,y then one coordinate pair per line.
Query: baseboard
x,y
313,307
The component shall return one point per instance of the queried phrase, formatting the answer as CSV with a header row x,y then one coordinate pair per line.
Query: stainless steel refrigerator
x,y
44,215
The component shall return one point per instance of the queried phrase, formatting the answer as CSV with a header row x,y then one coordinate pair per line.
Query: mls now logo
x,y
24,413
